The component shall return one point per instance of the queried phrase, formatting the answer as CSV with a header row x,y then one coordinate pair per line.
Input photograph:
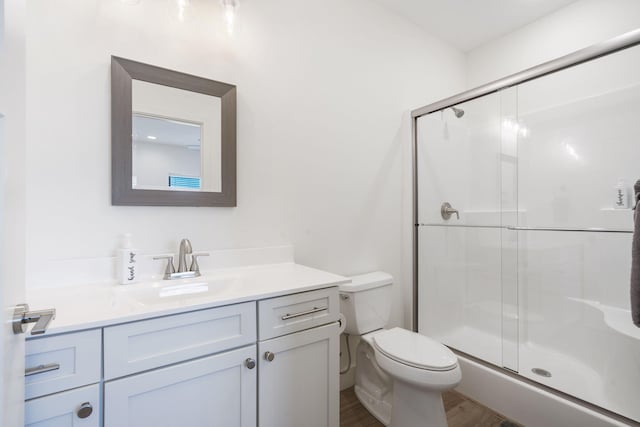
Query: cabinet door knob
x,y
85,410
250,363
269,356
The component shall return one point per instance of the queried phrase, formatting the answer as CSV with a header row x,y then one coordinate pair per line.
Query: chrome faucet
x,y
184,271
185,249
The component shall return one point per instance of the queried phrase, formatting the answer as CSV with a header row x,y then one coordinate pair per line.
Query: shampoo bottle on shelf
x,y
127,259
621,200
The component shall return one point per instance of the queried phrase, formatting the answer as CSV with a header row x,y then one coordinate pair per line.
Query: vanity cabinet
x,y
273,362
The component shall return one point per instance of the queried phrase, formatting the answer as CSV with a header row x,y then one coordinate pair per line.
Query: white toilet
x,y
400,374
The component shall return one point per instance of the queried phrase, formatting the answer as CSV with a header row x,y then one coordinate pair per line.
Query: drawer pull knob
x,y
304,313
268,356
40,369
85,410
250,363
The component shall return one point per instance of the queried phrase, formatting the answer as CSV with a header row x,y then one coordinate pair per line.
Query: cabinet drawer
x,y
61,409
292,313
148,344
62,362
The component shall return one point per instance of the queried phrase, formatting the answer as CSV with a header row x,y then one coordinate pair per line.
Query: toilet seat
x,y
415,350
416,360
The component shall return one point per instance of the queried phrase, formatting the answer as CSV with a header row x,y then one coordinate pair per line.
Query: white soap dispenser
x,y
127,259
621,200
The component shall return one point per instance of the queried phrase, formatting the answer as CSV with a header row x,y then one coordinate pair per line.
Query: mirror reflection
x,y
166,154
176,139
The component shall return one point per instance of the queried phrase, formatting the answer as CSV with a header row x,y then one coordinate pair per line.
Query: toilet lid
x,y
415,350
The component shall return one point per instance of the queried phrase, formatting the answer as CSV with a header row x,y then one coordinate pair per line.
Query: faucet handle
x,y
194,262
446,210
170,269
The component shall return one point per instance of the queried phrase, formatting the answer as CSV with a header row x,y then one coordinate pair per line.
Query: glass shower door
x,y
534,274
466,159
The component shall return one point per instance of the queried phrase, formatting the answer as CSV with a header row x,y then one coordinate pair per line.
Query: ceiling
x,y
467,24
166,131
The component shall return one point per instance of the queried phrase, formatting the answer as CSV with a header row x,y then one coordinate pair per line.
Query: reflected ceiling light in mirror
x,y
152,137
229,7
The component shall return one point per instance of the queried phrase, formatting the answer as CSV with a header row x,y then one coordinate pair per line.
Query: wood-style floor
x,y
461,412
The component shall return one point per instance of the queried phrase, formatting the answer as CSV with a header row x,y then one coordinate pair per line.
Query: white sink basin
x,y
181,291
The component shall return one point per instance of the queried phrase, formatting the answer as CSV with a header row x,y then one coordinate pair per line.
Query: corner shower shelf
x,y
618,319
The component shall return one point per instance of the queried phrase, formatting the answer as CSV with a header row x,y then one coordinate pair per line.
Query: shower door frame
x,y
616,44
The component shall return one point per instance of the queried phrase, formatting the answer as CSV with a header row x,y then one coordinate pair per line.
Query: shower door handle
x,y
446,210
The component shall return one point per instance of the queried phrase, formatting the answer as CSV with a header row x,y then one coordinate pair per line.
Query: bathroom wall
x,y
323,152
573,27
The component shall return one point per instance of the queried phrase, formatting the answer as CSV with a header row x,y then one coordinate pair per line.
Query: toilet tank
x,y
366,302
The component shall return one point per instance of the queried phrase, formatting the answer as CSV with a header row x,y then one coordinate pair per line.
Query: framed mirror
x,y
173,138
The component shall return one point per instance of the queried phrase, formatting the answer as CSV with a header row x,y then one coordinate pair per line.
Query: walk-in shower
x,y
530,274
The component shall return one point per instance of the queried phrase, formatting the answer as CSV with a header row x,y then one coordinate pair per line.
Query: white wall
x,y
571,28
323,157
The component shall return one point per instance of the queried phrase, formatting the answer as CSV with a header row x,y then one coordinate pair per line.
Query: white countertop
x,y
94,306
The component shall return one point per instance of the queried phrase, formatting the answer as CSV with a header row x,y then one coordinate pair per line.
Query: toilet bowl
x,y
400,374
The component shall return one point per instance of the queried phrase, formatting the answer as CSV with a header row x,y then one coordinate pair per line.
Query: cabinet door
x,y
64,409
300,385
217,390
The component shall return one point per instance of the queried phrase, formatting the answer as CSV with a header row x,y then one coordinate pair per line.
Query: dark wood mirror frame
x,y
123,71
